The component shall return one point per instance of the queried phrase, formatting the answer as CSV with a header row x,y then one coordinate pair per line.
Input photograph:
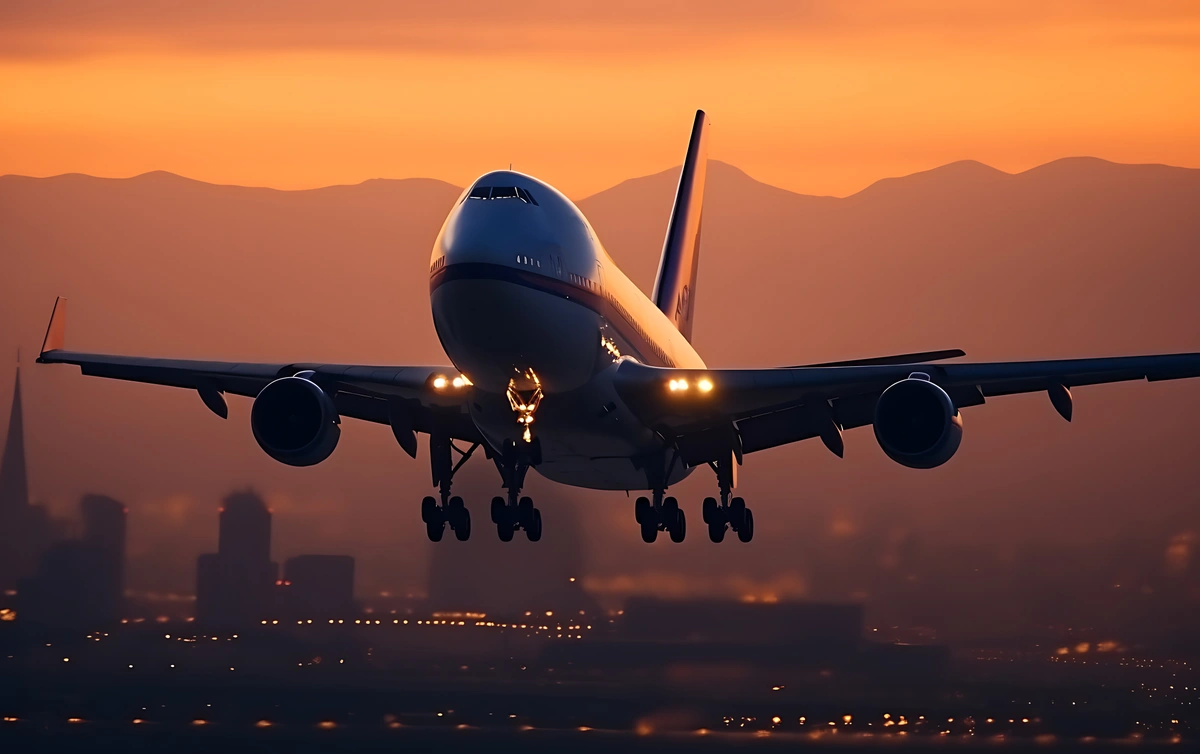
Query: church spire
x,y
14,483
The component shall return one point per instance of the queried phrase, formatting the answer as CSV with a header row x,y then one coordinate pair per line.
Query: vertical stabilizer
x,y
675,286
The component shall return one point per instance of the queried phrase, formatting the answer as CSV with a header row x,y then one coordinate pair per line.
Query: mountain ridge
x,y
960,168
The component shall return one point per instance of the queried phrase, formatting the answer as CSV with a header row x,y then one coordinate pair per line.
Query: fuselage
x,y
523,292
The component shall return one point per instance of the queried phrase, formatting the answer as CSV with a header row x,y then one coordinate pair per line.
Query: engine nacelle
x,y
917,424
295,421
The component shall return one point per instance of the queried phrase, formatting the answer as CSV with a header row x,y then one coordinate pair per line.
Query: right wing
x,y
404,397
756,409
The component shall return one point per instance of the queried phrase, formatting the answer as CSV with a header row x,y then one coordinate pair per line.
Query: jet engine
x,y
295,421
917,424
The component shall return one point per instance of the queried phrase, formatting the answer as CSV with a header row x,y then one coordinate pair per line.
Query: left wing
x,y
764,408
405,397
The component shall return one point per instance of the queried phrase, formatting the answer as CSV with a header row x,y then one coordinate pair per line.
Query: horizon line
x,y
674,168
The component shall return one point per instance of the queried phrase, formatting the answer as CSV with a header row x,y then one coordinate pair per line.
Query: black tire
x,y
678,526
649,533
429,511
462,525
499,510
525,511
746,531
737,511
435,530
533,531
709,511
716,532
669,506
641,510
505,531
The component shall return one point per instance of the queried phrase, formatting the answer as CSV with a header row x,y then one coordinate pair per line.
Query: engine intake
x,y
295,421
917,424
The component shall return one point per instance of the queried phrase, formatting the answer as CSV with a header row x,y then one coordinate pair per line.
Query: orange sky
x,y
816,96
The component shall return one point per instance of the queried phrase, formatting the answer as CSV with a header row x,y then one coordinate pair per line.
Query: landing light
x,y
678,385
439,382
705,385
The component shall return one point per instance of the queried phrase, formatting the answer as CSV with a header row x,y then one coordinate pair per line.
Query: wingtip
x,y
56,331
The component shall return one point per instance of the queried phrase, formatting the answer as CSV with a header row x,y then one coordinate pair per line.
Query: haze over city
x,y
264,183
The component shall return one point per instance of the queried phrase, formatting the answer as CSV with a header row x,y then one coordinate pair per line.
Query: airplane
x,y
561,364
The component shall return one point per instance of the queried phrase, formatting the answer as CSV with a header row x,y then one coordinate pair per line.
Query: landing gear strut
x,y
514,511
451,510
729,512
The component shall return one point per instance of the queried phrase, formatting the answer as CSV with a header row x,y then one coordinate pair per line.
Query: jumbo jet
x,y
561,364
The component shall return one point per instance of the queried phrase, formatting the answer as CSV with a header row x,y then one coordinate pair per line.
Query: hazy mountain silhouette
x,y
1076,257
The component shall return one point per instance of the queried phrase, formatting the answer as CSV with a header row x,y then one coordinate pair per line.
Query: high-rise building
x,y
14,484
319,586
245,528
79,583
25,530
104,531
234,585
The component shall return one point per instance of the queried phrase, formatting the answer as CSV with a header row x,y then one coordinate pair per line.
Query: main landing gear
x,y
451,511
728,513
663,514
515,511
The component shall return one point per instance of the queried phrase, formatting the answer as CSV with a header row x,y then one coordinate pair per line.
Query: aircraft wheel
x,y
499,510
678,527
462,525
525,511
746,531
641,510
716,531
533,530
709,510
435,530
649,532
429,510
505,530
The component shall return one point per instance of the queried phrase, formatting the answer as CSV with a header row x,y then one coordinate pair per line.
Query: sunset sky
x,y
818,96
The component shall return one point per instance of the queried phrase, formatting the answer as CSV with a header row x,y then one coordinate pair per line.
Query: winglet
x,y
56,331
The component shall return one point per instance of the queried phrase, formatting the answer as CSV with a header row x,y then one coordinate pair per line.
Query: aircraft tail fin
x,y
675,286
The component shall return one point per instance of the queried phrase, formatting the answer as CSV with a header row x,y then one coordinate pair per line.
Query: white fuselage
x,y
520,285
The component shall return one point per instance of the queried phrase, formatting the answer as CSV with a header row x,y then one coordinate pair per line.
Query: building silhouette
x,y
319,586
80,583
235,585
25,530
104,532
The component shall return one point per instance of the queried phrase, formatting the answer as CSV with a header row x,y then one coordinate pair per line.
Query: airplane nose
x,y
497,230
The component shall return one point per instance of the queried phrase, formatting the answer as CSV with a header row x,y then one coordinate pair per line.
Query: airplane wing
x,y
764,408
404,397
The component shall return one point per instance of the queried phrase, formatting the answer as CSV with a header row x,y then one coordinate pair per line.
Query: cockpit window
x,y
502,192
